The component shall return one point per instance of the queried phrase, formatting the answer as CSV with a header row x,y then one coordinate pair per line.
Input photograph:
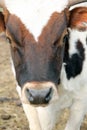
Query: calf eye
x,y
8,40
65,38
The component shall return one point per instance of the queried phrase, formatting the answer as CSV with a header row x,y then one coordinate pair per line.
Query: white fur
x,y
35,14
80,80
77,85
12,65
74,35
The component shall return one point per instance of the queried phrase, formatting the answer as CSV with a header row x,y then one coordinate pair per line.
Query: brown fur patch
x,y
54,28
16,30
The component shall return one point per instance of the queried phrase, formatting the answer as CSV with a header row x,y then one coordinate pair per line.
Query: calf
x,y
35,30
74,69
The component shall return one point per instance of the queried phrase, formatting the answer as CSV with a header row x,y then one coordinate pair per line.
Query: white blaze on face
x,y
35,14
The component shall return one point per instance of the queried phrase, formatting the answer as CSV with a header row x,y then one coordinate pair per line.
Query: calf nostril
x,y
48,95
29,95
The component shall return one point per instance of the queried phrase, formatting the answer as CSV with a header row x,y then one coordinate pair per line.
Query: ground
x,y
12,116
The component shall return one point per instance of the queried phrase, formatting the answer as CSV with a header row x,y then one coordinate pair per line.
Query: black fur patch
x,y
74,64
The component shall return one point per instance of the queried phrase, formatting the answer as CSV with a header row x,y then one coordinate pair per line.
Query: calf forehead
x,y
51,33
35,14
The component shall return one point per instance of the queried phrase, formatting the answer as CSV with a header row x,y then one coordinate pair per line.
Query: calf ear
x,y
78,18
3,17
2,24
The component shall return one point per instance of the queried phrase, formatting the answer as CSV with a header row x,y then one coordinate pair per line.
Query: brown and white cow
x,y
35,30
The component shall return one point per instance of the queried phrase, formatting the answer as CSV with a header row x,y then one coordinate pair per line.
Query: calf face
x,y
37,64
37,53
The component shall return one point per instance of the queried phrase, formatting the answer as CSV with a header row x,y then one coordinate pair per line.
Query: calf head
x,y
35,34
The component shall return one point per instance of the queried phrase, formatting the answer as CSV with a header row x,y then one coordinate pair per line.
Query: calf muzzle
x,y
38,96
37,93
